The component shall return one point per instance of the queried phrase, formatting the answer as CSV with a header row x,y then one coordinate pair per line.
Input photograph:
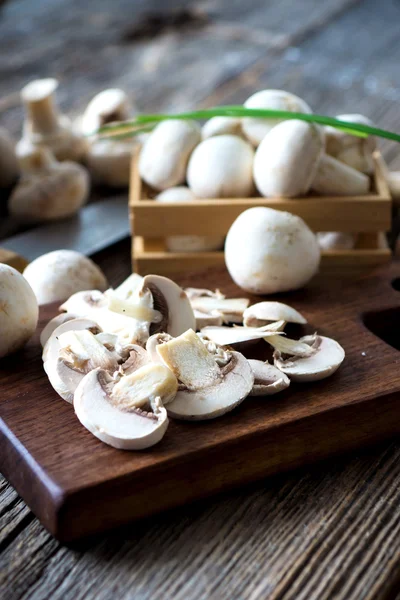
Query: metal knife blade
x,y
94,228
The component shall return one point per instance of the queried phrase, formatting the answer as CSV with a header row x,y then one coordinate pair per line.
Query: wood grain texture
x,y
356,406
341,56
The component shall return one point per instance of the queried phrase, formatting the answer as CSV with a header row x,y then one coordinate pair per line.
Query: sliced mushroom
x,y
128,287
80,353
268,379
138,357
231,309
206,391
324,358
193,293
52,346
154,341
207,319
263,313
171,301
125,413
229,336
53,324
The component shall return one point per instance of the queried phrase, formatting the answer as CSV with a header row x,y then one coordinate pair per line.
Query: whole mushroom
x,y
352,150
59,274
188,243
9,168
286,161
105,107
221,126
269,251
336,240
48,189
221,167
19,310
165,153
45,126
256,129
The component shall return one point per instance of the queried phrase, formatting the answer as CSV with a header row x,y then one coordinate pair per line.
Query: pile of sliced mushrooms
x,y
130,358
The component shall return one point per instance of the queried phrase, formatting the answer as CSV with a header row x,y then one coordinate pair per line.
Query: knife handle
x,y
13,259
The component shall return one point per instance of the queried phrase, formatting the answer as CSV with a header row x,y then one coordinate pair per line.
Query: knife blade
x,y
95,227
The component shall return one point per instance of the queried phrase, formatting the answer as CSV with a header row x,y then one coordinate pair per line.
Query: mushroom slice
x,y
205,319
206,391
228,336
193,293
53,324
171,301
52,346
80,353
268,379
127,308
325,357
264,313
81,303
109,408
138,357
152,343
231,308
128,287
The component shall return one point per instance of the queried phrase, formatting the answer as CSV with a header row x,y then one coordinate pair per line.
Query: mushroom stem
x,y
38,98
337,178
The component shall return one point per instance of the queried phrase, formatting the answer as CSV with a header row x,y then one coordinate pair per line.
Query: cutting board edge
x,y
70,514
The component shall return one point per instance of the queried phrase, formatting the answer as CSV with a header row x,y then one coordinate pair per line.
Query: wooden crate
x,y
152,221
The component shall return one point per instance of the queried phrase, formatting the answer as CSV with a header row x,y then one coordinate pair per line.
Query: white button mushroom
x,y
221,126
221,167
19,310
44,126
56,275
335,178
268,380
336,240
256,129
352,150
165,154
107,106
269,251
9,168
48,189
188,243
286,161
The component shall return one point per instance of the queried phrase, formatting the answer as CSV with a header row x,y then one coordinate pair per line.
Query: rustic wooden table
x,y
327,532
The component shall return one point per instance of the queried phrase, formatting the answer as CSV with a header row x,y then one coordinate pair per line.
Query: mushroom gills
x,y
264,313
207,391
324,358
118,424
268,380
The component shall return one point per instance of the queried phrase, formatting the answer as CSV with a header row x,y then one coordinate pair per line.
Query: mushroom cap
x,y
126,430
50,193
221,167
9,168
171,301
221,126
287,159
59,274
218,398
265,312
268,251
256,129
109,161
188,243
326,359
52,325
19,310
336,240
106,107
39,89
268,380
165,153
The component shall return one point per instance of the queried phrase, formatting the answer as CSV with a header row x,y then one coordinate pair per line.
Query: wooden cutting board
x,y
76,485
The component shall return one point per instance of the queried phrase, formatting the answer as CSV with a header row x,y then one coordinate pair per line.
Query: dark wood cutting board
x,y
77,485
